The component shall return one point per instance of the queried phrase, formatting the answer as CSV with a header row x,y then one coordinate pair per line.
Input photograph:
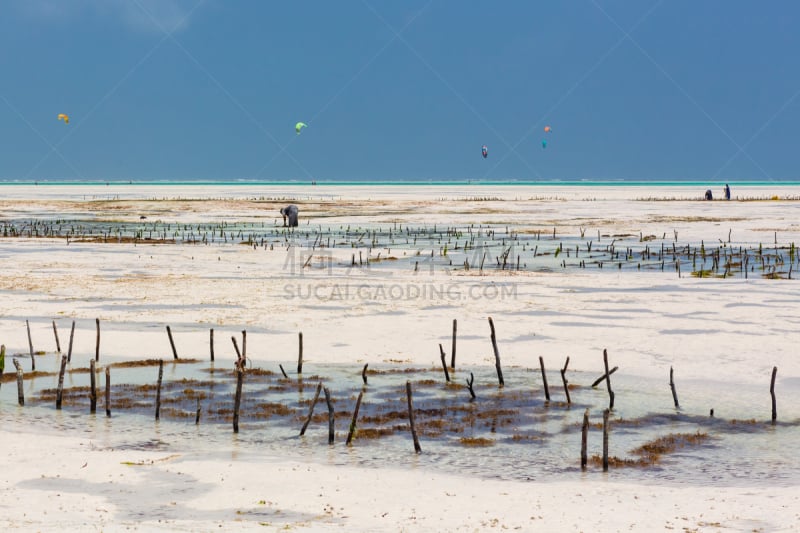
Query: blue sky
x,y
211,89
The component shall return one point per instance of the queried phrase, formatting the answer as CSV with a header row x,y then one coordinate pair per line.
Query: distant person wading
x,y
290,212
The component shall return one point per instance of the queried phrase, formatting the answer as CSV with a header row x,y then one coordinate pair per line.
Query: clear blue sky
x,y
211,89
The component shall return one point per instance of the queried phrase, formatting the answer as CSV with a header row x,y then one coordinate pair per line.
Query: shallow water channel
x,y
507,433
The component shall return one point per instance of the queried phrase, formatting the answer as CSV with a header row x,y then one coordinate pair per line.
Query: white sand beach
x,y
390,299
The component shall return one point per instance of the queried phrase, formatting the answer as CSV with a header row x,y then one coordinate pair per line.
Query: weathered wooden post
x,y
300,353
496,354
608,381
330,415
311,409
364,373
605,440
197,415
2,362
237,401
470,381
108,391
564,379
417,447
453,349
93,387
71,336
236,347
772,392
544,379
211,344
60,390
444,364
30,345
353,422
244,345
158,388
603,377
97,344
285,375
672,387
584,438
20,391
55,333
172,343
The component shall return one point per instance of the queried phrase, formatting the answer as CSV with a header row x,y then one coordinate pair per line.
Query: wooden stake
x,y
564,379
311,409
444,364
237,401
2,362
197,416
158,388
300,353
283,371
496,354
608,381
71,335
108,391
236,347
55,332
172,343
417,447
60,392
97,344
453,349
604,376
30,345
20,391
353,422
544,380
244,345
584,437
672,387
772,392
93,387
605,440
364,373
330,415
470,381
211,344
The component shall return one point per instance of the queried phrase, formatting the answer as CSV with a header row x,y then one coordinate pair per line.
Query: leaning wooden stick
x,y
55,333
158,388
197,415
496,354
444,364
417,447
108,391
470,381
772,392
608,381
311,409
364,373
20,390
330,415
544,379
672,387
30,345
71,336
97,344
237,401
300,353
60,392
603,377
172,343
605,440
584,437
352,431
564,379
453,349
92,387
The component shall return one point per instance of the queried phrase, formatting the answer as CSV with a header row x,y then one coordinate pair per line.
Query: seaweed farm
x,y
508,432
466,247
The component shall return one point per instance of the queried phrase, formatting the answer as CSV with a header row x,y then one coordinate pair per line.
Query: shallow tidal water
x,y
508,433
